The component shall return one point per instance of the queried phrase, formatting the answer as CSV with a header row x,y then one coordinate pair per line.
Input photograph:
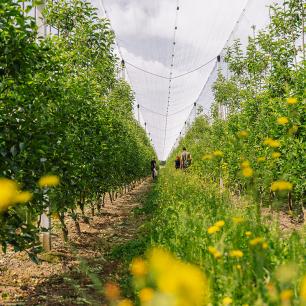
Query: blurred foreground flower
x,y
303,290
281,186
247,172
169,281
49,181
227,301
10,194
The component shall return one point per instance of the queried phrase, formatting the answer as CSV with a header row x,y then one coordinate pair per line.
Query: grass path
x,y
60,279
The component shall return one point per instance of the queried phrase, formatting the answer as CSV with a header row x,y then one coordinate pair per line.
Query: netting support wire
x,y
173,77
171,70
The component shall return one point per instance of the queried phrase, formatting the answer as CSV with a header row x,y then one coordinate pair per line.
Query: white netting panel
x,y
145,32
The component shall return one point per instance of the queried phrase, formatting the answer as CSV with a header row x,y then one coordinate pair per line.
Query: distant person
x,y
153,168
189,159
177,162
184,159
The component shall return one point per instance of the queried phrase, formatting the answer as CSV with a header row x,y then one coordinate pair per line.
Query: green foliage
x,y
62,111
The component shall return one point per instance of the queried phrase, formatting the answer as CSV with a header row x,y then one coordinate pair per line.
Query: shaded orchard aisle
x,y
58,280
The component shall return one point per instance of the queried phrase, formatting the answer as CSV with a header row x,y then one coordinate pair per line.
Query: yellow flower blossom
x,y
248,234
146,295
245,164
281,186
243,134
237,220
303,289
261,159
49,181
292,100
256,241
276,155
177,279
238,267
220,223
247,172
139,267
272,143
213,229
24,197
125,302
286,295
265,245
207,157
236,253
214,251
282,120
8,193
218,153
227,301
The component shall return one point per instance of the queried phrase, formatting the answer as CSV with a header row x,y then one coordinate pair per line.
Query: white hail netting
x,y
145,32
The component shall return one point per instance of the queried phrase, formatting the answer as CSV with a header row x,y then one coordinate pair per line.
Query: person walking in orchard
x,y
153,168
185,159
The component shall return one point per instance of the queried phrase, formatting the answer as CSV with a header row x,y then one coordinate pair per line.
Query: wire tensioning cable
x,y
174,77
171,70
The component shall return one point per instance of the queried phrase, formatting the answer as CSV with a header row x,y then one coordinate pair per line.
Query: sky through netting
x,y
170,48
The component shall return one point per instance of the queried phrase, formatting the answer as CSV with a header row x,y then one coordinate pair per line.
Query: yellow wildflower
x,y
248,234
303,289
220,223
243,134
178,279
276,155
245,164
261,159
256,241
213,229
247,172
24,197
281,186
236,253
214,251
237,220
282,120
227,301
218,153
49,181
238,267
272,143
146,295
125,302
138,267
292,100
207,157
264,245
8,193
111,291
286,295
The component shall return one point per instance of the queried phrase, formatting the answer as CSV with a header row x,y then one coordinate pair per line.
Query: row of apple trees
x,y
63,112
259,144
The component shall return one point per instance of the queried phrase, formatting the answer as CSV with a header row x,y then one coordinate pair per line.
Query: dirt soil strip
x,y
58,279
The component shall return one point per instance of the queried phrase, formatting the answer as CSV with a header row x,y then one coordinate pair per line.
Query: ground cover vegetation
x,y
68,135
